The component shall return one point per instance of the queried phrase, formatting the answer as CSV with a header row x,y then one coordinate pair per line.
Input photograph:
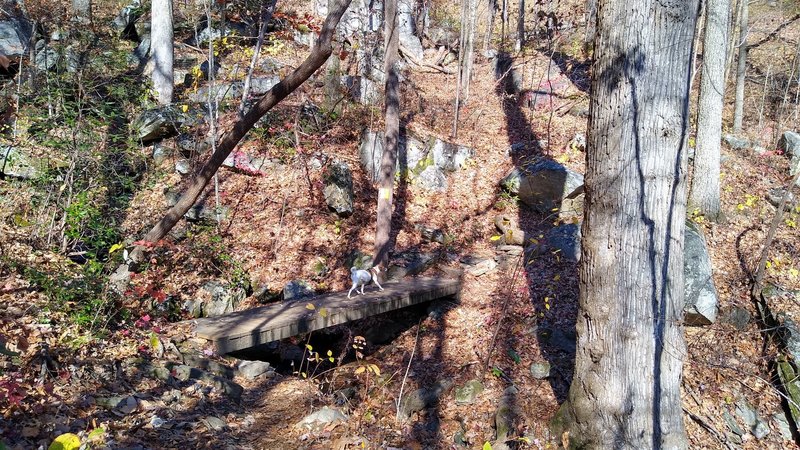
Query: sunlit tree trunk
x,y
391,137
161,52
625,392
704,193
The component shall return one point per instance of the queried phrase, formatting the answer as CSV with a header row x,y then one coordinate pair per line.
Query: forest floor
x,y
105,385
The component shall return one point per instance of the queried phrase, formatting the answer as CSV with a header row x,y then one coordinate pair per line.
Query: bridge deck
x,y
244,329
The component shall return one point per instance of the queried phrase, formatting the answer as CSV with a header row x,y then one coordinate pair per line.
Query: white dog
x,y
363,277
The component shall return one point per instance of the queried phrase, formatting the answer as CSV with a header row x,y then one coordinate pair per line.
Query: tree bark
x,y
626,389
162,50
82,9
591,25
704,193
741,69
487,38
520,27
383,242
231,137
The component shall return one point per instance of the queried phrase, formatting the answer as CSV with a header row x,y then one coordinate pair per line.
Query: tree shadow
x,y
553,323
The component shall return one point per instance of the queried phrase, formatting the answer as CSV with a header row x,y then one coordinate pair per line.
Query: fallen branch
x,y
423,64
237,130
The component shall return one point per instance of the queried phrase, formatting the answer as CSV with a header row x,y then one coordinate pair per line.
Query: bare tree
x,y
391,136
520,27
466,56
741,68
161,53
487,38
630,349
704,193
236,131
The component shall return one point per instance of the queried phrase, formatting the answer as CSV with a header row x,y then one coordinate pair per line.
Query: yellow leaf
x,y
330,353
360,369
115,247
310,306
487,446
185,108
494,238
66,441
323,312
557,277
309,347
375,369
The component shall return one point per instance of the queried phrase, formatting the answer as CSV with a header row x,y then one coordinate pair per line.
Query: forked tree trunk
x,y
391,137
233,134
161,51
626,390
704,193
741,69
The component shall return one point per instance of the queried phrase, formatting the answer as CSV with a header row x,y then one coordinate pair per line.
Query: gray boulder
x,y
15,34
468,393
253,369
14,163
432,179
543,185
319,419
370,152
47,58
157,123
297,289
450,157
338,189
262,85
219,92
125,22
789,143
736,142
701,295
362,89
230,29
405,24
363,16
215,298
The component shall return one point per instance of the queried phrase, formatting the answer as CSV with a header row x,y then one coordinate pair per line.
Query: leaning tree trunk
x,y
626,390
235,132
704,193
391,136
162,49
741,69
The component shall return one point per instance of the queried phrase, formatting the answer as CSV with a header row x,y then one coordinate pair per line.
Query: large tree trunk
x,y
591,22
391,136
232,136
741,69
626,390
161,53
704,193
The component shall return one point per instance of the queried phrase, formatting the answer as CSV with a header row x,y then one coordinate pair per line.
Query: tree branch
x,y
231,137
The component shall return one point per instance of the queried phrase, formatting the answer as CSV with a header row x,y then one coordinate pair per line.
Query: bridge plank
x,y
244,329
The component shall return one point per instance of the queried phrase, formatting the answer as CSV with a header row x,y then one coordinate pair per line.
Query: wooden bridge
x,y
244,329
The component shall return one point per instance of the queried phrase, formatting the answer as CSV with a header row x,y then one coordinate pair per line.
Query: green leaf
x,y
66,441
514,356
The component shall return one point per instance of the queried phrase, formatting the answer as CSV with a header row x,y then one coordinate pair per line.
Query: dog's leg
x,y
351,290
375,277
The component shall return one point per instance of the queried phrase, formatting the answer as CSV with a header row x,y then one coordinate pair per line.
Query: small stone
x,y
318,419
214,423
253,369
540,370
482,268
466,395
183,166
